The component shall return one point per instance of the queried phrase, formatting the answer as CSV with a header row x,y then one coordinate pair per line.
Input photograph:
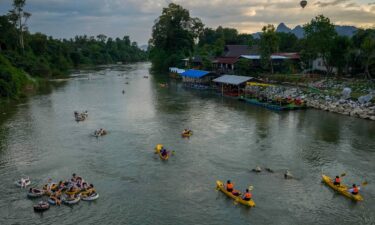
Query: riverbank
x,y
355,98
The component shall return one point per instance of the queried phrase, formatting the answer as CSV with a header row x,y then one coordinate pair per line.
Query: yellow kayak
x,y
158,148
220,186
342,189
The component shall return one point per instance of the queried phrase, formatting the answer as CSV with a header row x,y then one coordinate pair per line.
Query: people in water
x,y
247,195
288,175
354,190
100,132
34,190
56,198
91,190
74,177
23,182
337,181
257,169
163,152
81,116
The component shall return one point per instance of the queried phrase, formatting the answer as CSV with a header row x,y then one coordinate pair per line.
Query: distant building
x,y
318,65
279,60
232,53
194,62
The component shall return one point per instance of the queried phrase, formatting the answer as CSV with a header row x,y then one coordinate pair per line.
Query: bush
x,y
12,80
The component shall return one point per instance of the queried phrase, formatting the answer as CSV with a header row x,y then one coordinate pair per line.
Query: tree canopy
x,y
269,43
173,36
44,56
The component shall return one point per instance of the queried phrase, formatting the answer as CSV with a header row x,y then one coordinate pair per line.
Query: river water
x,y
40,138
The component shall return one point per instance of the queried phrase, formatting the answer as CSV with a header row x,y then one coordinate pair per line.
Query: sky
x,y
135,18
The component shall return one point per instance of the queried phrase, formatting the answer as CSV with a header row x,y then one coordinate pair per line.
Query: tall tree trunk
x,y
20,30
367,72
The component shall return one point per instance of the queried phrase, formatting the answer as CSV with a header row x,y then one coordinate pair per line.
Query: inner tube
x,y
51,201
71,201
27,183
38,193
91,197
41,207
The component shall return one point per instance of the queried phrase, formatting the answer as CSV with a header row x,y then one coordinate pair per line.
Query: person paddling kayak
x,y
354,190
230,188
247,196
337,181
163,152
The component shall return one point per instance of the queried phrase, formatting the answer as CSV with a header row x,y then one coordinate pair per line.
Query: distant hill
x,y
298,30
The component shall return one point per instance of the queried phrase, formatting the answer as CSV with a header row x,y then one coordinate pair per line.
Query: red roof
x,y
227,60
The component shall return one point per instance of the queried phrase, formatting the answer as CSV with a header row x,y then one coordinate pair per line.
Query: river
x,y
40,138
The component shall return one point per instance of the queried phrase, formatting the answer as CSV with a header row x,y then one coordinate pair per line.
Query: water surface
x,y
40,138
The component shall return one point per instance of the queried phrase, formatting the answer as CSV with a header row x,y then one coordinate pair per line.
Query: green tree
x,y
368,52
269,43
173,34
339,54
320,35
19,19
288,42
243,67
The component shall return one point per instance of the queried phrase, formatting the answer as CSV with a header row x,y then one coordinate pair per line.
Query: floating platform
x,y
273,107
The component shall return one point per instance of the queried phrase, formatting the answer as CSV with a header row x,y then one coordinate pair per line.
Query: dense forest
x,y
176,35
24,55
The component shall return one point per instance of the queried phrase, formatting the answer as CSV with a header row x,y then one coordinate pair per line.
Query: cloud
x,y
116,18
331,3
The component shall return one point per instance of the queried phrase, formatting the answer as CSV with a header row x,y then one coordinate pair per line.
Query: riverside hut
x,y
175,72
198,79
232,85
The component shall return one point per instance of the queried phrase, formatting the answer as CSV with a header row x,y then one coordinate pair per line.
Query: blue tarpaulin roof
x,y
232,79
195,73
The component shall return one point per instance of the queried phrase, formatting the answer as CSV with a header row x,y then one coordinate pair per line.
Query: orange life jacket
x,y
230,186
247,195
355,190
337,180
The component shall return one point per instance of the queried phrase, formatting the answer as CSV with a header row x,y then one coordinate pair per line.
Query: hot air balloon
x,y
303,3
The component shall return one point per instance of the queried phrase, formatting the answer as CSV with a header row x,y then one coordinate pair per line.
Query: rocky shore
x,y
351,97
346,107
337,96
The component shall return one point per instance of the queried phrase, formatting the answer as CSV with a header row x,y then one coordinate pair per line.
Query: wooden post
x,y
222,89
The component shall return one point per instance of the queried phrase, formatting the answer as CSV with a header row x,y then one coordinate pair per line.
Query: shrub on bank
x,y
13,81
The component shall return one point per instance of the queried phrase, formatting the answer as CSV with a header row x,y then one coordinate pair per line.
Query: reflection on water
x,y
41,139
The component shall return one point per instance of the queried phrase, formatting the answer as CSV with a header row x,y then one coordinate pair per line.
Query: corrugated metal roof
x,y
195,73
232,79
258,57
176,70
